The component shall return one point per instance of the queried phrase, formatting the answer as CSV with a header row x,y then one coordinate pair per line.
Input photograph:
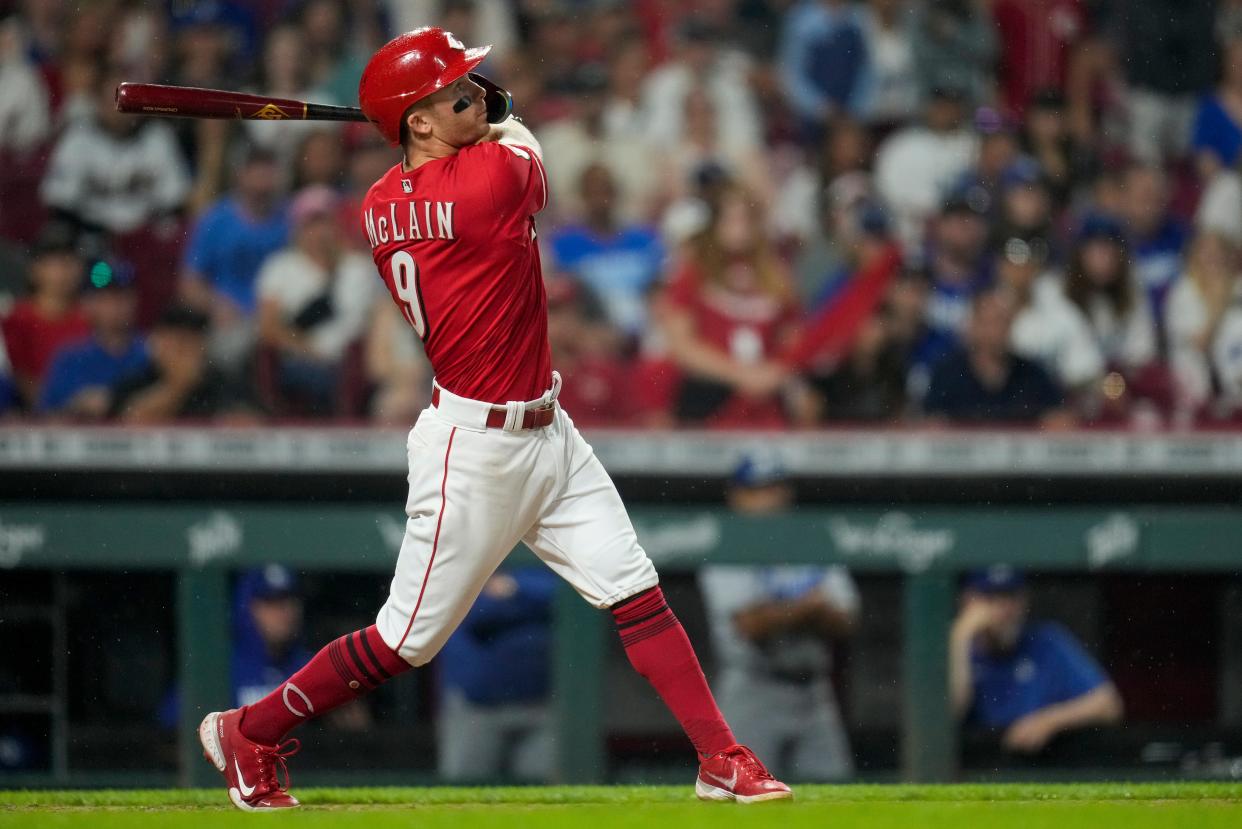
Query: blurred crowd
x,y
764,213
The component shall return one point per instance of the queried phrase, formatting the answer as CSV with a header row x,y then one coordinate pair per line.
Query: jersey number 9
x,y
405,282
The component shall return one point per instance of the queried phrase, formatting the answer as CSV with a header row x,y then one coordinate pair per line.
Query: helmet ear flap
x,y
496,98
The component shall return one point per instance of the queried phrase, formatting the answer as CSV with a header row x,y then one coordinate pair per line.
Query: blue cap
x,y
1102,226
1025,172
759,468
967,197
270,582
999,578
990,121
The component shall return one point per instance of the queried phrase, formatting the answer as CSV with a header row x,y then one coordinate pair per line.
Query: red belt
x,y
533,419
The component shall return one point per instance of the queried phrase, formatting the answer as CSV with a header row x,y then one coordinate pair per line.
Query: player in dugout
x,y
494,460
1029,680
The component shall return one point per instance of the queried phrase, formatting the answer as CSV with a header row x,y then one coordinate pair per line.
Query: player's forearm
x,y
274,333
1101,706
961,681
513,131
158,404
830,620
765,619
696,357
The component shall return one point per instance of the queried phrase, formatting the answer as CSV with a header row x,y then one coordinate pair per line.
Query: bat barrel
x,y
195,102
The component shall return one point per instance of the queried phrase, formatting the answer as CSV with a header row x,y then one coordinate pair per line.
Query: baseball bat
x,y
195,102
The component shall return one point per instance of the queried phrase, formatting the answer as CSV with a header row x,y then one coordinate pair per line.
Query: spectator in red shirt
x,y
730,311
1037,41
585,349
51,316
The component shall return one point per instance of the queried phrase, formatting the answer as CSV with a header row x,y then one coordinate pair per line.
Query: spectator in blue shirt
x,y
1030,680
618,263
267,632
267,642
79,382
984,382
227,246
1217,134
494,678
1156,237
823,61
957,268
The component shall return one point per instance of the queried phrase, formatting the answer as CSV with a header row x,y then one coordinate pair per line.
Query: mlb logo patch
x,y
406,186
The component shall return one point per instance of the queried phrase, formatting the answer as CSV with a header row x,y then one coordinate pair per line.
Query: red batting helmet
x,y
409,67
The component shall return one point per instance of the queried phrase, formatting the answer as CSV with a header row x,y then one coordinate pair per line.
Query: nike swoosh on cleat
x,y
246,791
729,784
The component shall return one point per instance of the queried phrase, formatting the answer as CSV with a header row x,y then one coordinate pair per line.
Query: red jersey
x,y
1036,36
33,339
748,327
454,241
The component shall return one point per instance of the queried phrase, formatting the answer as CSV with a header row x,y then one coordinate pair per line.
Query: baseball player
x,y
494,460
772,628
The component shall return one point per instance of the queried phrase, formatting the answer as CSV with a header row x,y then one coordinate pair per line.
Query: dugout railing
x,y
59,512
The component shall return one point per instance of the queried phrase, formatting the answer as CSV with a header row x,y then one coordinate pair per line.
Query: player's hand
x,y
91,403
1030,734
182,371
975,616
762,380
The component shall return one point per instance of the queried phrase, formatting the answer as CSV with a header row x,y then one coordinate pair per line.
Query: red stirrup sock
x,y
343,671
658,648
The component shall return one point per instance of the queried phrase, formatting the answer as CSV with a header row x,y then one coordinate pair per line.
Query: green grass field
x,y
1098,806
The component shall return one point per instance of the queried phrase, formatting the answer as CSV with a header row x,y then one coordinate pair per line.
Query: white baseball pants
x,y
474,494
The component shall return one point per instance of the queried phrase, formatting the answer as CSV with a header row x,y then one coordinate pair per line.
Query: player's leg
x,y
586,537
822,750
245,744
470,742
457,533
760,718
535,747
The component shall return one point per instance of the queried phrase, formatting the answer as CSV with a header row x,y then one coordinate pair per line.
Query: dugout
x,y
1134,542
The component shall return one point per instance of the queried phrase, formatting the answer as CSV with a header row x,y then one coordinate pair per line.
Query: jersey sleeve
x,y
515,174
1076,672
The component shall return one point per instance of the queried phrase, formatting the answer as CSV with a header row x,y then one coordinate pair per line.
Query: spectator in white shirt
x,y
116,172
584,139
703,68
1100,282
315,299
892,91
1047,327
1204,319
915,167
24,117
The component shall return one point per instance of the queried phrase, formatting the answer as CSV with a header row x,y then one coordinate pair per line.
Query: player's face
x,y
111,310
457,129
989,326
761,500
1008,617
58,273
278,620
